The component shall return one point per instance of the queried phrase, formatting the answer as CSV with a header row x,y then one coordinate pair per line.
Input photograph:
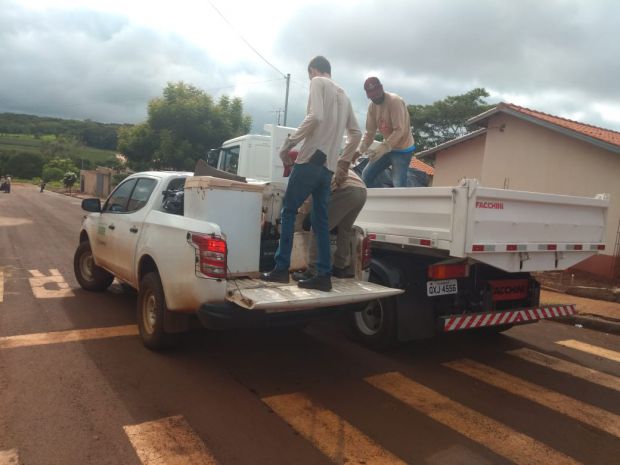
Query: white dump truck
x,y
463,255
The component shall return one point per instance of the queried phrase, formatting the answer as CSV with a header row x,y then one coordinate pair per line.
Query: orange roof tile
x,y
605,135
420,165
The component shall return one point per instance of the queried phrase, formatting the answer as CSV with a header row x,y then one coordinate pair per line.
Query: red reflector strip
x,y
511,247
483,248
372,236
425,242
600,247
523,315
552,247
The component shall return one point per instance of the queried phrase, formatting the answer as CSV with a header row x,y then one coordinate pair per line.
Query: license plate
x,y
435,288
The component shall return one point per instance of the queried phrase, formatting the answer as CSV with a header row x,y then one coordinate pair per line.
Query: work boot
x,y
300,275
276,276
341,273
320,282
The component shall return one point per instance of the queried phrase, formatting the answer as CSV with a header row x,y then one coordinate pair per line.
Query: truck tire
x,y
375,325
151,313
90,276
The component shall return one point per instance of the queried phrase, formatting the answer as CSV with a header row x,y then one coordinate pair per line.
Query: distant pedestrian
x,y
43,183
387,113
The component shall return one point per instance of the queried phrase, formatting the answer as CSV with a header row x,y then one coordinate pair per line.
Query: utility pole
x,y
288,82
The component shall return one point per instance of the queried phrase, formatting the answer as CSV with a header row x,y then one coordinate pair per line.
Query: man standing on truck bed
x,y
387,112
329,114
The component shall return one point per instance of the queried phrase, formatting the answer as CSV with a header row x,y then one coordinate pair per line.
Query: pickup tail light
x,y
366,252
448,271
211,255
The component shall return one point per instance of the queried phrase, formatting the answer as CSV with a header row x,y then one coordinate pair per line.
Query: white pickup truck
x,y
194,245
463,254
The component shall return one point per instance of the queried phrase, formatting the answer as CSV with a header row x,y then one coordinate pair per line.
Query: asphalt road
x,y
78,387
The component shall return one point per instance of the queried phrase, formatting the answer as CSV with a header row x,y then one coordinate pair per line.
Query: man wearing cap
x,y
329,114
387,112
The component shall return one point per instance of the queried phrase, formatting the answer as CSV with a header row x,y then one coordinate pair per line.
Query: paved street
x,y
77,386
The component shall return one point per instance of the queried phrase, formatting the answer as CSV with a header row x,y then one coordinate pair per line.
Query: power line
x,y
244,39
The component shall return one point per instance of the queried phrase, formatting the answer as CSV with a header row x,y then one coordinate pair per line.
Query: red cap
x,y
373,87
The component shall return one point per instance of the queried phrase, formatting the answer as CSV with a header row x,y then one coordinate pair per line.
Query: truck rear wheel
x,y
151,313
90,276
375,324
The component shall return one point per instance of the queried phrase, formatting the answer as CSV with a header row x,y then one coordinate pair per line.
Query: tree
x,y
444,120
69,179
182,125
55,169
23,164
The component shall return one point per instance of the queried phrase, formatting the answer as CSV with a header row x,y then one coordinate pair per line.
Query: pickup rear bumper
x,y
505,317
229,315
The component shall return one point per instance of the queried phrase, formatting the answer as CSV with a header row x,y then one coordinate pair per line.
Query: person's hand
x,y
378,152
342,172
284,156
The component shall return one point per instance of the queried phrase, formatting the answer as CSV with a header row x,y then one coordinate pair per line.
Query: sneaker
x,y
341,273
320,282
299,275
275,276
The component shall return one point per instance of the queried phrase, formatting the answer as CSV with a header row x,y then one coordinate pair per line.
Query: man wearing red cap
x,y
387,113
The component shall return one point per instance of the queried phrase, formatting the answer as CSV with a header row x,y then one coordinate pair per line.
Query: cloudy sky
x,y
104,60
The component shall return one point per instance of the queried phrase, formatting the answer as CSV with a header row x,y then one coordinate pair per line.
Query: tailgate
x,y
254,294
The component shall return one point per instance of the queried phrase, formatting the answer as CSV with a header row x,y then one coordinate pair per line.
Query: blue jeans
x,y
400,166
306,179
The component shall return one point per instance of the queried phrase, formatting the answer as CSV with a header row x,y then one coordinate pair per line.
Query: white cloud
x,y
105,60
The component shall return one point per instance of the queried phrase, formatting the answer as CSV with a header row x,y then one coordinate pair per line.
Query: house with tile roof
x,y
523,149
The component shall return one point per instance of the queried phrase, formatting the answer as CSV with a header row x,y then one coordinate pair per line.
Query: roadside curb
x,y
593,322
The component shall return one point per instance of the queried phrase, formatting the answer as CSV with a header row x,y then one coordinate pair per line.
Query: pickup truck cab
x,y
194,246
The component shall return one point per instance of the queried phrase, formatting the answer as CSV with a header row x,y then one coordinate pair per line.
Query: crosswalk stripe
x,y
57,337
589,348
9,457
573,408
333,436
169,441
1,286
573,369
504,441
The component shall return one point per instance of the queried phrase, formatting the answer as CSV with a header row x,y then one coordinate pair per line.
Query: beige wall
x,y
460,161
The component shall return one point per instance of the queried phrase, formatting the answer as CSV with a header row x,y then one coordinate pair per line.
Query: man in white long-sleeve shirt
x,y
329,114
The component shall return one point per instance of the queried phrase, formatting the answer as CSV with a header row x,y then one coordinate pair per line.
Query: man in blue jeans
x,y
328,115
388,114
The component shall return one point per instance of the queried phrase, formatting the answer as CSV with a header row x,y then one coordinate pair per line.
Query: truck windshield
x,y
229,159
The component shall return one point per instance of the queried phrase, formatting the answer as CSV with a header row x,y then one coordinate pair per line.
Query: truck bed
x,y
511,230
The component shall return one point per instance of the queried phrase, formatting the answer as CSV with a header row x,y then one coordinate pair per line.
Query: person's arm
x,y
371,129
398,118
353,136
315,112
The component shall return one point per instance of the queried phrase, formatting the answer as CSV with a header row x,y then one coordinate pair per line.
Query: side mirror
x,y
91,205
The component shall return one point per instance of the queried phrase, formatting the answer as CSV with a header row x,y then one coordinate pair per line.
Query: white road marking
x,y
9,457
573,408
58,337
333,436
169,441
594,350
573,369
39,280
1,286
514,446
